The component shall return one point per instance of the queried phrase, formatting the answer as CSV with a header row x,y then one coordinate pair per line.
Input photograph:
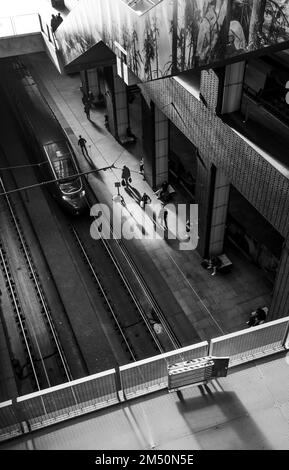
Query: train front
x,y
71,193
73,196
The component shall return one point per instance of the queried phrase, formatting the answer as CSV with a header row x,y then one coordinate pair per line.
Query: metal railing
x,y
10,425
97,391
20,24
151,374
26,24
68,400
252,343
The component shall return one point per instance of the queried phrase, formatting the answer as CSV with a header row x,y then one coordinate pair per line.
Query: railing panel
x,y
20,24
98,391
151,374
6,27
9,426
26,24
252,343
69,400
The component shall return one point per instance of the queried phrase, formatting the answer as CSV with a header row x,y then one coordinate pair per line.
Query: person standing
x,y
145,199
53,23
87,110
141,168
163,216
82,143
59,20
126,178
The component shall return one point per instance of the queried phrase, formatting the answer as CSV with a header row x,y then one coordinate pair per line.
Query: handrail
x,y
104,389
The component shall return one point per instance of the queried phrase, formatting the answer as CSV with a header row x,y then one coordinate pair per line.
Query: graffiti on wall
x,y
175,35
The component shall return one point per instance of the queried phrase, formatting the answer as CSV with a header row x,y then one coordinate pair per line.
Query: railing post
x,y
210,347
48,33
285,341
24,424
13,25
118,384
40,22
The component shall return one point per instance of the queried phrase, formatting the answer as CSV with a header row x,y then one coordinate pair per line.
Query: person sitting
x,y
163,192
257,317
90,98
130,134
214,264
145,199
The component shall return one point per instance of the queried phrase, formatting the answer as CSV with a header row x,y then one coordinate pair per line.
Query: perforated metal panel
x,y
251,343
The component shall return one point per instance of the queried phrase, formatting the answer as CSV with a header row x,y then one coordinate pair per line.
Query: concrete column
x,y
161,147
280,303
219,213
233,87
93,83
121,106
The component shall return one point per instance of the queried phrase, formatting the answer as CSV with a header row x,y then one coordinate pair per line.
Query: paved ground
x,y
213,305
247,410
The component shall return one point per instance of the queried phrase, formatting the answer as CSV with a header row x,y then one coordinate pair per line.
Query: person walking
x,y
163,216
87,110
82,143
126,178
145,199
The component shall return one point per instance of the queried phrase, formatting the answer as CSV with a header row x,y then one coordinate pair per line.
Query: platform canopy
x,y
160,38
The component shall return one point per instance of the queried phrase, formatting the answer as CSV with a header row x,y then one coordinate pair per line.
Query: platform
x,y
212,305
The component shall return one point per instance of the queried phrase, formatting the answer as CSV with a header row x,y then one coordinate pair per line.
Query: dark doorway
x,y
253,234
183,162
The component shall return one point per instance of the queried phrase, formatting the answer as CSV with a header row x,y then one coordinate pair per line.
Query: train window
x,y
61,159
63,168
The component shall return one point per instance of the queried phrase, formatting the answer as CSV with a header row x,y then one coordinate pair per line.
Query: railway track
x,y
46,364
126,295
134,327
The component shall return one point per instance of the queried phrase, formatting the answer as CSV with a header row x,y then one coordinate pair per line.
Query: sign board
x,y
196,371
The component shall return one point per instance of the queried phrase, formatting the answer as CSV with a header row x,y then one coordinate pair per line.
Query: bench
x,y
226,263
127,140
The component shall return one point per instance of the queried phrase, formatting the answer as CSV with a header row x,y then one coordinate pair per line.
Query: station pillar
x,y
218,211
90,82
161,147
155,145
280,302
116,103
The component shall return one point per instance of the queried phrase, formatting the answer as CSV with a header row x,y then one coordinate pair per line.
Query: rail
x,y
31,344
108,388
25,24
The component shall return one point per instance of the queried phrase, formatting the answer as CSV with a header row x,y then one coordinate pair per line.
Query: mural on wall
x,y
175,35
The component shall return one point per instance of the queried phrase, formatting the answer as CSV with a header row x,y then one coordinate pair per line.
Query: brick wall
x,y
264,187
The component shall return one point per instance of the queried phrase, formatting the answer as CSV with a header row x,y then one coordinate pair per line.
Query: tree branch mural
x,y
176,35
256,24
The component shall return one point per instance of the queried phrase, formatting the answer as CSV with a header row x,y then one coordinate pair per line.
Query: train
x,y
45,137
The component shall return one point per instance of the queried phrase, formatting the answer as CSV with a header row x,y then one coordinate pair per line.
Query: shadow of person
x,y
133,193
171,239
96,174
97,127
